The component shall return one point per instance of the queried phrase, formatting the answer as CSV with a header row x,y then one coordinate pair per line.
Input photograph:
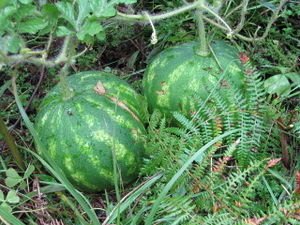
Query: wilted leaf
x,y
256,221
273,162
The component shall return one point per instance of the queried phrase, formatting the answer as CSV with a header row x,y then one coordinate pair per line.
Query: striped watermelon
x,y
176,74
81,133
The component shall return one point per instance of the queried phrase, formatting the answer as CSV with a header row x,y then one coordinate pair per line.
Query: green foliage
x,y
231,183
225,186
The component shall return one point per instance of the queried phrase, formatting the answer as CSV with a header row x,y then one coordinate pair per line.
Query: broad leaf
x,y
13,178
25,1
269,5
24,11
101,36
8,11
277,84
4,43
14,44
103,8
12,197
11,182
67,12
2,3
50,11
32,25
84,9
295,77
63,31
90,27
12,173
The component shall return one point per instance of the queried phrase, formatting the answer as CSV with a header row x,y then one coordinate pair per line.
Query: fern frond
x,y
175,210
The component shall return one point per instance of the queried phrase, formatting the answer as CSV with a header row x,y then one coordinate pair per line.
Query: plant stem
x,y
143,18
203,49
11,145
273,18
240,26
66,54
66,91
216,15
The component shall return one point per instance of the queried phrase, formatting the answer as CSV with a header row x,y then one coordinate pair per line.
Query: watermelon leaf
x,y
67,12
32,25
90,27
84,9
63,31
25,1
105,8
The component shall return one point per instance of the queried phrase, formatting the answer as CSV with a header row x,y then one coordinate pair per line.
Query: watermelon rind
x,y
82,133
177,76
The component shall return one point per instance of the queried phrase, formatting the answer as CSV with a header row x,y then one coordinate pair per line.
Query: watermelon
x,y
176,75
104,116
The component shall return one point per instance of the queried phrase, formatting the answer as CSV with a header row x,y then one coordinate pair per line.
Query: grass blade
x,y
7,218
169,185
4,87
130,198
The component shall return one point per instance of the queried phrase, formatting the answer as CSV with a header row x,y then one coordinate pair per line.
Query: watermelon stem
x,y
66,53
67,92
203,49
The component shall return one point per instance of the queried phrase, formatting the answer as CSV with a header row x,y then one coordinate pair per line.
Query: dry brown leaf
x,y
273,162
255,221
297,180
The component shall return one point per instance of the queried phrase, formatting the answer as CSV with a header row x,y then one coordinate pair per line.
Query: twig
x,y
266,32
243,17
